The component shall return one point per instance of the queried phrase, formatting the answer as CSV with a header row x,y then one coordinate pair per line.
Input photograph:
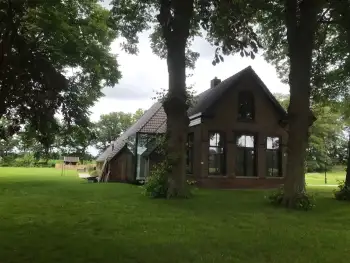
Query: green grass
x,y
319,178
45,217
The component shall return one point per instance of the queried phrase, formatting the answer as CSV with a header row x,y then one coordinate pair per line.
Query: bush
x,y
156,185
303,201
7,161
343,192
27,160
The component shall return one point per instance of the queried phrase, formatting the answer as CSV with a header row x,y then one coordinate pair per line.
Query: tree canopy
x,y
55,58
110,126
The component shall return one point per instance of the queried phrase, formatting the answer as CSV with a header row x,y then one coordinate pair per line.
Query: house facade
x,y
237,138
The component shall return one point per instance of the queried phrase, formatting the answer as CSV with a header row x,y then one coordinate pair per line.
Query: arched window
x,y
246,108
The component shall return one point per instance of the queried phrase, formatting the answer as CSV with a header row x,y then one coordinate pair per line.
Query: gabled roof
x,y
205,100
154,120
150,122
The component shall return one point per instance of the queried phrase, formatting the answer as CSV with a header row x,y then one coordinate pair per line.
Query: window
x,y
216,162
246,155
246,109
273,157
189,159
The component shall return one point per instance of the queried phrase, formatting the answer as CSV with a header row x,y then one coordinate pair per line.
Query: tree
x,y
137,115
110,127
174,26
76,139
283,99
55,57
8,144
326,136
329,68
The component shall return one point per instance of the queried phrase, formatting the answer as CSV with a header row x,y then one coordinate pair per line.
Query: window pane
x,y
240,162
273,163
250,167
245,141
246,105
216,155
241,141
245,159
215,139
189,160
272,143
215,160
273,156
190,139
249,142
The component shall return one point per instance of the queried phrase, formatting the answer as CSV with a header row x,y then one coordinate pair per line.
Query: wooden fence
x,y
73,167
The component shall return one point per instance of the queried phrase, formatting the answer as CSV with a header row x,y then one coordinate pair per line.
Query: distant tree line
x,y
27,148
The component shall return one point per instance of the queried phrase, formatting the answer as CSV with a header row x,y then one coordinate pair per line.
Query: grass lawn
x,y
45,217
332,178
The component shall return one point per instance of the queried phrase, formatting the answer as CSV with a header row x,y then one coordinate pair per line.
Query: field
x,y
45,217
333,178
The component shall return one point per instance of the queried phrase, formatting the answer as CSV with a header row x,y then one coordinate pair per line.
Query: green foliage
x,y
27,160
76,139
327,143
302,201
137,115
68,42
343,192
226,25
326,139
156,185
190,96
112,125
283,99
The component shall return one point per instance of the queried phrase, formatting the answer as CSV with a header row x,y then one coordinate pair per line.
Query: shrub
x,y
27,160
7,161
156,185
343,192
303,201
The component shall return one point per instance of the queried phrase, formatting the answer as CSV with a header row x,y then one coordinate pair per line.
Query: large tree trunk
x,y
347,178
175,105
301,26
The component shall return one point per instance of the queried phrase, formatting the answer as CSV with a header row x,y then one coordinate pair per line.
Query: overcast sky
x,y
145,73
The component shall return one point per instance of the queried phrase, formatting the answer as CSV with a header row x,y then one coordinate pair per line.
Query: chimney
x,y
214,82
112,144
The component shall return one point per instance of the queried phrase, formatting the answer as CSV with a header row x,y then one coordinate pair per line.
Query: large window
x,y
246,155
216,162
273,157
246,108
189,159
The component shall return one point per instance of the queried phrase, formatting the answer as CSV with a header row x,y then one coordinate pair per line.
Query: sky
x,y
145,73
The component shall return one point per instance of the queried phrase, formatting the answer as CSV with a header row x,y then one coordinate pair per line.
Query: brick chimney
x,y
214,82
